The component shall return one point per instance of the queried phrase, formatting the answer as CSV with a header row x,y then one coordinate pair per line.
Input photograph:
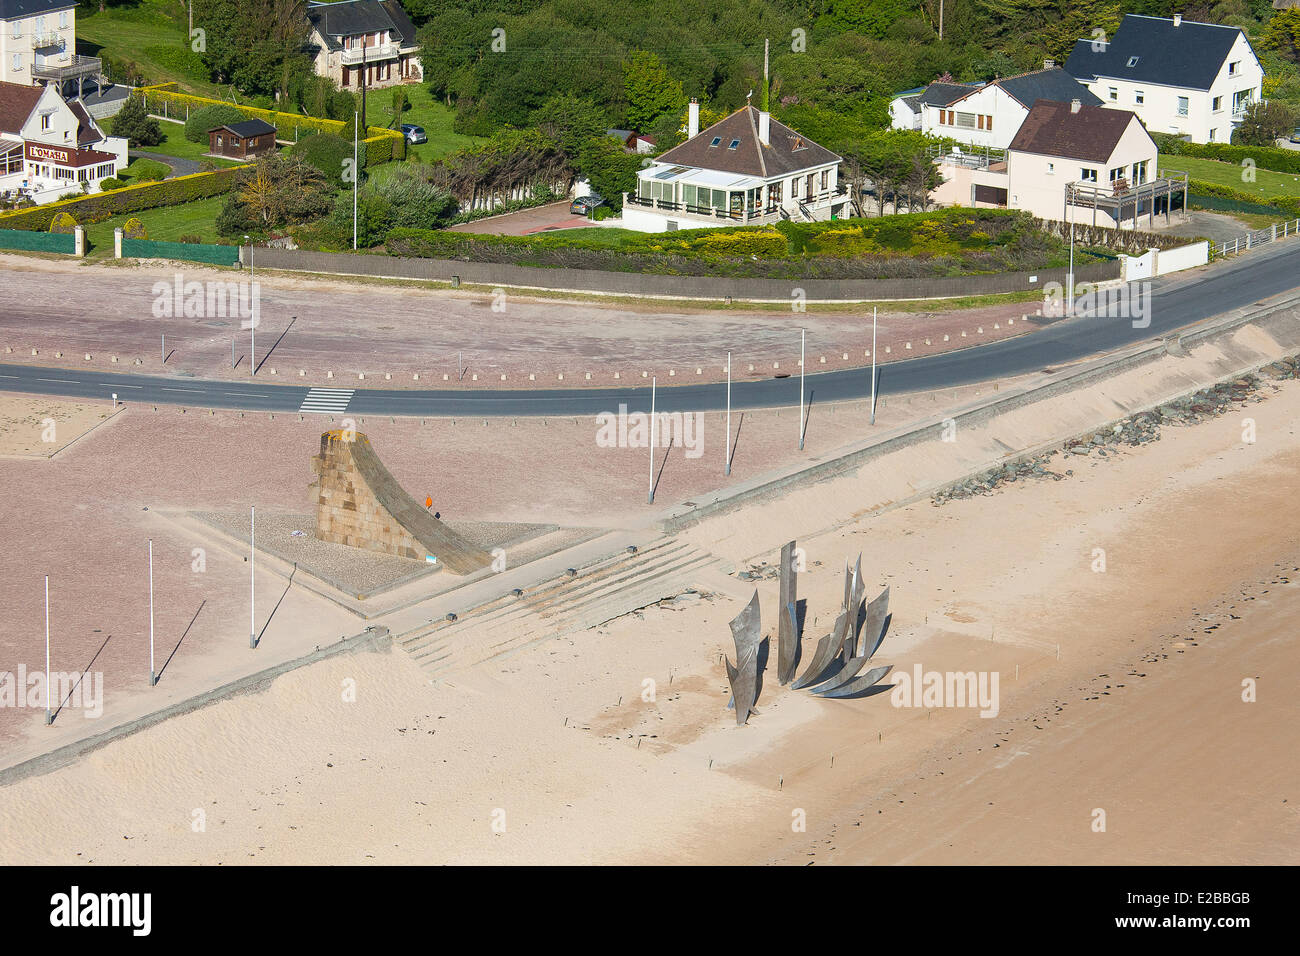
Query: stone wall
x,y
361,505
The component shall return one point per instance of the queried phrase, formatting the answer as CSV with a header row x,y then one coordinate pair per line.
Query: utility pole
x,y
873,365
940,19
728,448
363,79
356,177
766,84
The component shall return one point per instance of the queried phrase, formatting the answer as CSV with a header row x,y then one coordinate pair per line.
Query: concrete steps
x,y
597,593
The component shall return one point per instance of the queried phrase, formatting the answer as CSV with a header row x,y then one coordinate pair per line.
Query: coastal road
x,y
1175,303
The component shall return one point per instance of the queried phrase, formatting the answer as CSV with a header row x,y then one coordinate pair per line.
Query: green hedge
x,y
1229,199
100,206
1265,157
382,145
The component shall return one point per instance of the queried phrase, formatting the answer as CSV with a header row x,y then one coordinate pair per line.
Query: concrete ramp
x,y
362,505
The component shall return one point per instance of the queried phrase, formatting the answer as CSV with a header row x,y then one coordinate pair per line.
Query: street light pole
x,y
728,448
49,715
252,583
355,178
873,365
802,355
1069,302
252,314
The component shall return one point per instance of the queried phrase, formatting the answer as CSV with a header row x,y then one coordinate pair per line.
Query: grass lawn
x,y
175,144
167,223
423,111
151,33
1267,182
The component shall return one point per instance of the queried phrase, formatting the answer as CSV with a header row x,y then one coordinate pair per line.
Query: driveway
x,y
179,167
1215,226
527,221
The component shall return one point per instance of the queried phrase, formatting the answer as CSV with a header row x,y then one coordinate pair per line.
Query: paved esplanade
x,y
1175,304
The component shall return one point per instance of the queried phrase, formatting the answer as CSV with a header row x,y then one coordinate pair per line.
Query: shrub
x,y
601,212
134,229
329,154
135,124
64,224
148,170
110,182
209,118
190,239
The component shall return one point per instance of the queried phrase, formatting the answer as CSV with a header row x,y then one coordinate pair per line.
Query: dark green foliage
x,y
331,154
135,124
609,169
201,121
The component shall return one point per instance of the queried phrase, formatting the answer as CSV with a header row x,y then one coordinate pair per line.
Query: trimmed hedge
x,y
1288,206
1265,157
100,206
382,145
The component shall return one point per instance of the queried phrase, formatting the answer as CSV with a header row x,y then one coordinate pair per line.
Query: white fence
x,y
1257,237
1159,262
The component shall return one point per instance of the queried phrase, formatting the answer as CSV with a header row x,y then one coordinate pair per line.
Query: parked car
x,y
414,134
583,205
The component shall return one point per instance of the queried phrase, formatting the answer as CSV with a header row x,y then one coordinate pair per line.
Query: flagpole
x,y
873,365
153,677
728,448
801,375
653,382
49,716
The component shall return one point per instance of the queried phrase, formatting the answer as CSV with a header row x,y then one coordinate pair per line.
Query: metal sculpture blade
x,y
787,635
744,676
853,604
845,674
873,631
827,649
860,684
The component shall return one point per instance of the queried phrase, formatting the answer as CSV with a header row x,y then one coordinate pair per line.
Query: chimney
x,y
1049,64
1178,19
764,127
1074,106
693,119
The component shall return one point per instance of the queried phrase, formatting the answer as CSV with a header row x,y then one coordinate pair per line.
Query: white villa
x,y
49,147
1178,76
1067,162
985,114
746,169
38,43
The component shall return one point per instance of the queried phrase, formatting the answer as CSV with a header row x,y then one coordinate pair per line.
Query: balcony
x,y
48,40
79,67
371,54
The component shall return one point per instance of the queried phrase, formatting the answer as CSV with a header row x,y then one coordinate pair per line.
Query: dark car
x,y
583,205
414,134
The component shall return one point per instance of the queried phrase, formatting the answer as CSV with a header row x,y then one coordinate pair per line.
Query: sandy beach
x,y
1127,609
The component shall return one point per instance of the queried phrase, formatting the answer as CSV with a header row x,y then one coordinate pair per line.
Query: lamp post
x,y
252,314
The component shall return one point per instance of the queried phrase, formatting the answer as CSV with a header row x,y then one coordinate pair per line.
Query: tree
x,y
570,121
1265,123
330,154
650,91
276,191
1282,34
201,121
134,124
258,45
610,170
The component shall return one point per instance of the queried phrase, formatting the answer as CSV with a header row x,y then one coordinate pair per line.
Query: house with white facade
x,y
50,147
1178,76
1069,162
38,43
372,40
988,114
746,169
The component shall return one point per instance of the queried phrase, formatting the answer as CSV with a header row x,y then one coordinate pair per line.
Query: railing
x,y
47,39
972,157
1256,237
80,66
384,51
705,212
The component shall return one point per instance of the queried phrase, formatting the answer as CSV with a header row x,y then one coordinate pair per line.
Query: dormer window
x,y
1132,61
716,141
733,144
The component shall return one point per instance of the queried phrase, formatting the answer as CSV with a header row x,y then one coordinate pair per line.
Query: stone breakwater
x,y
1138,429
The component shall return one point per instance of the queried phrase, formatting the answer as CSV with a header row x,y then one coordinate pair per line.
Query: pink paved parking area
x,y
334,331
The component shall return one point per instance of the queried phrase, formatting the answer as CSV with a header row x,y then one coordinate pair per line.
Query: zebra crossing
x,y
327,400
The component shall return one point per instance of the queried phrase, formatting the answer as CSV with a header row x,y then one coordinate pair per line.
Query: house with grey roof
x,y
370,41
1179,76
746,169
988,114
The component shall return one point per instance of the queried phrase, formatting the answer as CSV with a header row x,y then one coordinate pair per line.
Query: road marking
x,y
164,388
334,400
66,381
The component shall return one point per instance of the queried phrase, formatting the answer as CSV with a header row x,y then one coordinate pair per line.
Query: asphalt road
x,y
1175,304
